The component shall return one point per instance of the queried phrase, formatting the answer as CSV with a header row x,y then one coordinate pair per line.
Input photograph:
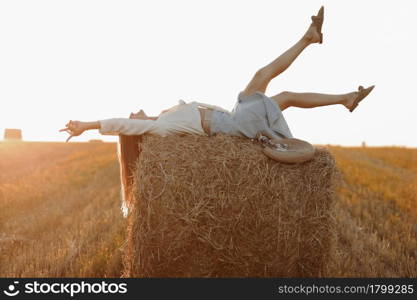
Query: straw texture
x,y
218,207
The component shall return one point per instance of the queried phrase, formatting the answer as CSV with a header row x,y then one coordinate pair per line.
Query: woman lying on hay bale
x,y
253,114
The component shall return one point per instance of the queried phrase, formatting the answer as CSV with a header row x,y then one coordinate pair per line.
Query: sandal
x,y
317,21
362,93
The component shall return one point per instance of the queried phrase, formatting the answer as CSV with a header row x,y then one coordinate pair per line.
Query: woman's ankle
x,y
349,99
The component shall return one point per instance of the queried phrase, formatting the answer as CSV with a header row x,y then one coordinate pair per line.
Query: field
x,y
376,213
60,211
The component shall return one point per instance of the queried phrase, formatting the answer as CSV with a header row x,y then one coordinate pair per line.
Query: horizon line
x,y
98,141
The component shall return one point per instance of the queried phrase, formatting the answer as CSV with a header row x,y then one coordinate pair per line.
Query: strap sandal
x,y
362,93
317,21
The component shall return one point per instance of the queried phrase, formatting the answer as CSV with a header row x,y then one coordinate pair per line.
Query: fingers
x,y
72,129
69,126
68,130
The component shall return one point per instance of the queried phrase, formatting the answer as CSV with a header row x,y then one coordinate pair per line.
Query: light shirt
x,y
250,115
181,118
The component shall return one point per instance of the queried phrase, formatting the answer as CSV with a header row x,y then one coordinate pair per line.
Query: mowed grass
x,y
376,212
60,211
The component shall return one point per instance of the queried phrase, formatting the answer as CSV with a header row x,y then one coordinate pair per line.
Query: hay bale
x,y
13,134
218,207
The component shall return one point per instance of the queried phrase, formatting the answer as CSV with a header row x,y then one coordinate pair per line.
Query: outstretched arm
x,y
137,124
114,126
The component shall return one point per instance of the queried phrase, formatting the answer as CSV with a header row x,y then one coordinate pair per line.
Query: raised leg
x,y
309,100
264,75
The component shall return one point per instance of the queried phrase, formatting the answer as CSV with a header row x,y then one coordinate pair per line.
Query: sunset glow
x,y
90,60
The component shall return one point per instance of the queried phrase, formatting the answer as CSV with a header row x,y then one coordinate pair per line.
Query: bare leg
x,y
264,75
310,100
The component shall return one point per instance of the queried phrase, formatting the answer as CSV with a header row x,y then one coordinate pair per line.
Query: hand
x,y
74,128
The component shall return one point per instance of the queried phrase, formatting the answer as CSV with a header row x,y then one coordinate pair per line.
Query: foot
x,y
350,99
353,99
314,34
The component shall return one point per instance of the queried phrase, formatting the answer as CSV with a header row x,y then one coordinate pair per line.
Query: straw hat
x,y
287,150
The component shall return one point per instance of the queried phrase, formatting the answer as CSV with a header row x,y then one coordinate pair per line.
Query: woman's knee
x,y
284,99
286,95
262,73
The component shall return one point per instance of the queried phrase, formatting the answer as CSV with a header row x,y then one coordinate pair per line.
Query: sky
x,y
90,60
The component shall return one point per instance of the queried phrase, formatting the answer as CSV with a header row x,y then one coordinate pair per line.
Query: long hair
x,y
127,152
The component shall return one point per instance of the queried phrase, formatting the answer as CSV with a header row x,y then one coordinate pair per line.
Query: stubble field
x,y
60,211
